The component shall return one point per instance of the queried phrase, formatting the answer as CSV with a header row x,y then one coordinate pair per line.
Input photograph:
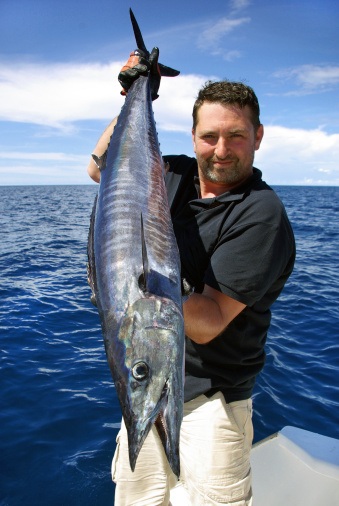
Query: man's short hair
x,y
228,93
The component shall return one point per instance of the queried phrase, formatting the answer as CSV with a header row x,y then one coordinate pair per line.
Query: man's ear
x,y
258,137
193,140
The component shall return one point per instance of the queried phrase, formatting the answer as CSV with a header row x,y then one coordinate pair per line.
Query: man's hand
x,y
139,65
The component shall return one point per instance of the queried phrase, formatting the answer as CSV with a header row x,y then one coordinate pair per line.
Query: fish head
x,y
151,390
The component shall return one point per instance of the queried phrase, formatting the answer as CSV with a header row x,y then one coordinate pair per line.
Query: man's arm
x,y
92,169
206,315
137,65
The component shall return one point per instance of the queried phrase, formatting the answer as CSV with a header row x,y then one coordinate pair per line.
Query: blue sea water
x,y
59,411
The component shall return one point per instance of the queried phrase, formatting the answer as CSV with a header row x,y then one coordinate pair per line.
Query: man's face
x,y
224,142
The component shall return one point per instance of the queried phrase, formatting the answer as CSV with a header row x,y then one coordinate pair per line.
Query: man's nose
x,y
221,148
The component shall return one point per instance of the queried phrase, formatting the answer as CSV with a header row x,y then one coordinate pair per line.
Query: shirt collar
x,y
236,193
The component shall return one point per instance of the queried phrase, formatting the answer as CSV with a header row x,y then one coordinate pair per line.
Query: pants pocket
x,y
114,467
241,414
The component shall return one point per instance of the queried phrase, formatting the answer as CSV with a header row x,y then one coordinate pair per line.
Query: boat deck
x,y
293,467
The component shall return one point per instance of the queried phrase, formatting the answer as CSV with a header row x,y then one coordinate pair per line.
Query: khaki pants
x,y
215,445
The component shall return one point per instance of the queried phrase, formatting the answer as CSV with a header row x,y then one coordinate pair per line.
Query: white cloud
x,y
43,168
298,156
57,94
56,157
232,55
210,37
238,5
174,111
311,78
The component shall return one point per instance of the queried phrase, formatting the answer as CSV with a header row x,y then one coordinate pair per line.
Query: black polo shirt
x,y
240,243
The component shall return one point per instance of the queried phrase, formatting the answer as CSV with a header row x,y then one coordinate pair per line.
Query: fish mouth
x,y
171,447
163,421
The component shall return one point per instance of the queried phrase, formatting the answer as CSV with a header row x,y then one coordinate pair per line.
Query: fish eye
x,y
140,371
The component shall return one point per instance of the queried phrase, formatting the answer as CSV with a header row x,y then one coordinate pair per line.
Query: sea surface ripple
x,y
59,411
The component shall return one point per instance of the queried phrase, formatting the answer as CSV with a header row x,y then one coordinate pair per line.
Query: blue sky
x,y
59,61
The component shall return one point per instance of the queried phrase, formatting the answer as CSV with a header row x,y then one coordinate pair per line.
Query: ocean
x,y
59,411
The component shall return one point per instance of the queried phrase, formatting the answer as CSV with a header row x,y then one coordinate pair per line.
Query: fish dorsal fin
x,y
144,277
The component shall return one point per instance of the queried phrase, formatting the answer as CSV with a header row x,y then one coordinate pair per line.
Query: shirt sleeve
x,y
253,251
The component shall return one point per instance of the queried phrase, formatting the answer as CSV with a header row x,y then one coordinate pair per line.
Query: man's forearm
x,y
100,148
206,315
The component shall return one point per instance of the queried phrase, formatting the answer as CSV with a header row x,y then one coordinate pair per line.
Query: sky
x,y
59,62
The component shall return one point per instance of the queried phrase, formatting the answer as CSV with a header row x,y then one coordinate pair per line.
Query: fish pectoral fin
x,y
94,300
186,290
143,278
100,161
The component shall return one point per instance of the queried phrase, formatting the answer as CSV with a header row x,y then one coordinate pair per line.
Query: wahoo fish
x,y
134,274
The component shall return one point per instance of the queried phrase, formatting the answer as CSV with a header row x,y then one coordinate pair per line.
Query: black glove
x,y
139,65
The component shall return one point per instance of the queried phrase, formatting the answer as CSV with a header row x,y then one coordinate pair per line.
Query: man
x,y
237,250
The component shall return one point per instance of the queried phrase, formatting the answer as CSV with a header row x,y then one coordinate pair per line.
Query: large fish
x,y
134,273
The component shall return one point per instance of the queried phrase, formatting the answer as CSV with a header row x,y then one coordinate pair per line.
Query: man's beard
x,y
231,175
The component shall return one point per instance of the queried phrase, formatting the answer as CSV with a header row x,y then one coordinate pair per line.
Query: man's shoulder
x,y
180,163
262,205
262,196
180,173
265,208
